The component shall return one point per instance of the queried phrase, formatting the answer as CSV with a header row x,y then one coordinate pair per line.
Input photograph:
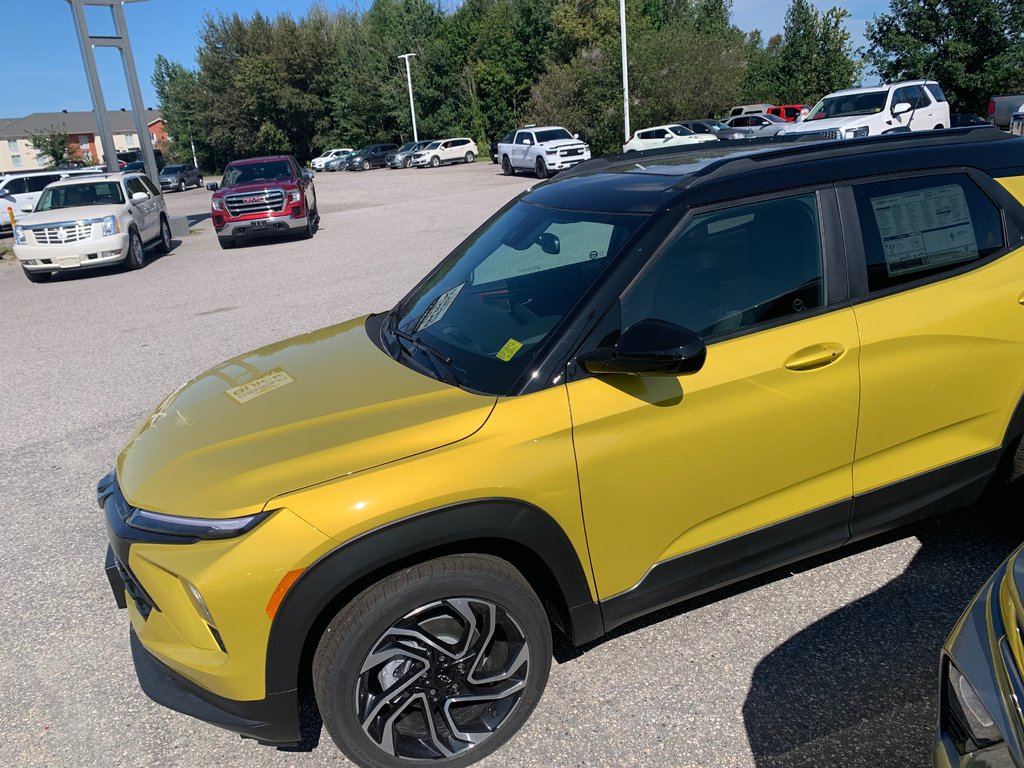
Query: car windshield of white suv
x,y
484,313
75,195
273,170
554,134
678,130
851,104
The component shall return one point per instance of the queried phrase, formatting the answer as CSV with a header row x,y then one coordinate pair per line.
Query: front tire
x,y
541,168
136,253
366,165
470,157
399,672
435,161
407,162
181,185
506,166
164,243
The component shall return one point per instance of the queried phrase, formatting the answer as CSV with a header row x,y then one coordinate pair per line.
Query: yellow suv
x,y
661,373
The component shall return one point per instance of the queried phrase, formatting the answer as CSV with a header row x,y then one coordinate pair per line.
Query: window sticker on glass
x,y
925,229
507,352
438,308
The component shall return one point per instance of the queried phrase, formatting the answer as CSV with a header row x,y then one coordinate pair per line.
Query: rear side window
x,y
917,228
17,186
936,92
38,183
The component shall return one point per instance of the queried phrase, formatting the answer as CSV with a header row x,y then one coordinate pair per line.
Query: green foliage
x,y
53,147
973,48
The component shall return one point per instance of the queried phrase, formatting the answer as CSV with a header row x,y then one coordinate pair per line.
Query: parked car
x,y
543,150
749,109
761,125
338,163
19,191
788,112
136,166
716,128
83,222
370,156
180,177
1017,122
911,105
981,672
402,157
661,136
1002,108
403,507
963,120
445,152
263,196
493,149
320,163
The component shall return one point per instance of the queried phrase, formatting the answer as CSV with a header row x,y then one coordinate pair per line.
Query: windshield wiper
x,y
442,363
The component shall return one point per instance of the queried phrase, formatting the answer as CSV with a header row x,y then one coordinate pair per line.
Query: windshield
x,y
851,104
72,196
491,305
271,170
773,118
554,134
433,145
678,130
169,169
717,126
408,147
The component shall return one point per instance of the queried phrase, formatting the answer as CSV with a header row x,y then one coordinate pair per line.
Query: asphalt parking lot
x,y
830,662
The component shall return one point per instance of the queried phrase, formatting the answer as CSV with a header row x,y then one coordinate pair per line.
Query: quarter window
x,y
736,269
38,183
921,227
134,185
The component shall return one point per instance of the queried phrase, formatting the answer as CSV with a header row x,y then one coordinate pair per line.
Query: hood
x,y
258,186
831,123
77,213
292,414
555,143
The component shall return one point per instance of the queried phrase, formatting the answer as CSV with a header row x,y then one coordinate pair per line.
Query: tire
x,y
441,602
407,162
37,277
938,127
435,161
366,165
181,185
226,243
308,230
540,168
163,245
199,183
136,258
506,167
470,157
494,159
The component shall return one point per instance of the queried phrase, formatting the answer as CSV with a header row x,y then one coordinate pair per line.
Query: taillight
x,y
991,107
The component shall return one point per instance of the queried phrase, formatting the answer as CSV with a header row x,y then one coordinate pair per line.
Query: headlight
x,y
294,195
550,151
193,527
19,235
857,133
217,204
111,225
969,714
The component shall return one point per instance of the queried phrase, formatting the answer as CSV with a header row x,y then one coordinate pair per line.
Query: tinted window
x,y
524,137
149,185
936,92
38,183
134,185
18,186
735,269
646,135
917,228
912,95
95,193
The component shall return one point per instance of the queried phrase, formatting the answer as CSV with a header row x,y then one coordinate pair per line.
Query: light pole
x,y
412,107
625,66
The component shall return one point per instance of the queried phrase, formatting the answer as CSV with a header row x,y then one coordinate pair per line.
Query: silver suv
x,y
90,221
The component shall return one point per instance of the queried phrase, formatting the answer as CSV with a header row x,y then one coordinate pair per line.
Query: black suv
x,y
370,156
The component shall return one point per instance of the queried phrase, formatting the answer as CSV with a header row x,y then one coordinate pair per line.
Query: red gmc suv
x,y
263,196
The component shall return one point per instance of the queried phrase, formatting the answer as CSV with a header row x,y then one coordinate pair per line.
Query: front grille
x,y
71,232
143,602
267,201
571,152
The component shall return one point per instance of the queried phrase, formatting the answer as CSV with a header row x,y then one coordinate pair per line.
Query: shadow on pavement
x,y
860,687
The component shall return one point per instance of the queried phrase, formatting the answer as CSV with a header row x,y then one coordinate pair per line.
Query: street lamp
x,y
625,66
412,107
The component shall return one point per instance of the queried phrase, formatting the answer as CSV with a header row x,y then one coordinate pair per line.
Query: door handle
x,y
816,356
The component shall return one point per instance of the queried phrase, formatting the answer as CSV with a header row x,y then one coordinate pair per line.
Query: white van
x,y
911,105
20,190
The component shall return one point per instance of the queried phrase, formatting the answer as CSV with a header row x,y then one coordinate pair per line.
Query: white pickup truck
x,y
543,150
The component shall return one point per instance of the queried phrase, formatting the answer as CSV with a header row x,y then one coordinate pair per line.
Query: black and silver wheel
x,y
442,662
163,245
470,157
199,183
181,185
136,253
506,166
435,161
366,165
407,162
541,168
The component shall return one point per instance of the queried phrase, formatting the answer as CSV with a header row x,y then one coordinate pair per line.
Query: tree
x,y
52,146
973,48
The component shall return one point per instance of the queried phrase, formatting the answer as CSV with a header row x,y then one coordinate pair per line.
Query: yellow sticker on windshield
x,y
507,352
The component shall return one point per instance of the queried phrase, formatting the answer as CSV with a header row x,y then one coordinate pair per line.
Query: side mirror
x,y
213,186
651,348
549,243
575,135
307,175
26,209
139,197
527,142
901,108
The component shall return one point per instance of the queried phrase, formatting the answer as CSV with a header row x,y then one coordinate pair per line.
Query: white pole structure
x,y
625,66
412,107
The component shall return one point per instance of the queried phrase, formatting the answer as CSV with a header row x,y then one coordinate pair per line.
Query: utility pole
x,y
625,66
412,107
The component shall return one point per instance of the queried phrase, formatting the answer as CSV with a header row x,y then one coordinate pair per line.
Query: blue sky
x,y
43,67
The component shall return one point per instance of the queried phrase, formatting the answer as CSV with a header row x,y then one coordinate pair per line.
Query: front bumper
x,y
269,226
555,163
978,647
82,254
